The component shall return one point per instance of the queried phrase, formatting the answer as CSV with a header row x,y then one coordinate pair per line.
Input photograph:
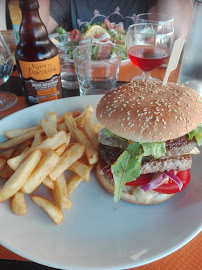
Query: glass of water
x,y
97,67
65,44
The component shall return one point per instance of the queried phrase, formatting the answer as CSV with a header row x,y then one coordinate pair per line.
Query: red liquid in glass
x,y
147,57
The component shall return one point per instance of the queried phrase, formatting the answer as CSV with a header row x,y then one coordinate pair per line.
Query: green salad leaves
x,y
197,134
127,166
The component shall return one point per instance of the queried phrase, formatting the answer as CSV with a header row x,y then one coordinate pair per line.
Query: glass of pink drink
x,y
149,46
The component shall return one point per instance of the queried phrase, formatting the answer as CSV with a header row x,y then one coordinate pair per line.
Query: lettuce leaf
x,y
197,134
125,169
127,166
156,149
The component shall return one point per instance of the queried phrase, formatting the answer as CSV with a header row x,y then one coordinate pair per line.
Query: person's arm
x,y
44,11
181,10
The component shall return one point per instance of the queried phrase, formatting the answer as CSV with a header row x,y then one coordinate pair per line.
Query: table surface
x,y
187,258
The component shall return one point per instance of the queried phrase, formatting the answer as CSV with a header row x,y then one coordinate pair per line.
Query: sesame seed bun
x,y
108,184
150,112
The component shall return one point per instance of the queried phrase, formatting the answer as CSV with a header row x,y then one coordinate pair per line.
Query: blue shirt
x,y
74,14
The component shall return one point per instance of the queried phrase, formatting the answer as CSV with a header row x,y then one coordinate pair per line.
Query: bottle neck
x,y
32,25
29,4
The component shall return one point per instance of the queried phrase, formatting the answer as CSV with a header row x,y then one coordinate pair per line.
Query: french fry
x,y
79,120
61,149
7,154
50,143
80,169
45,166
63,183
48,128
48,182
60,193
61,120
54,142
41,154
71,155
51,210
92,156
20,176
15,162
18,205
73,183
52,118
79,136
19,139
89,128
2,163
37,140
17,132
62,126
97,127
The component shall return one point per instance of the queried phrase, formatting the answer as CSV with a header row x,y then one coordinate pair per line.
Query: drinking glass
x,y
6,67
66,43
158,18
97,67
149,45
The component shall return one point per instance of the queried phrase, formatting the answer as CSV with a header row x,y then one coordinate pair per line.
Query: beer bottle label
x,y
41,79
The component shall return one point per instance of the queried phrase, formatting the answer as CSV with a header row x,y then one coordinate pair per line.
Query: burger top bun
x,y
150,112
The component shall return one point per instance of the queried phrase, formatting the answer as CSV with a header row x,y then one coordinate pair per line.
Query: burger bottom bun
x,y
108,184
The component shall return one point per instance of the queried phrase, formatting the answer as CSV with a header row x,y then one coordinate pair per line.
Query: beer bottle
x,y
37,58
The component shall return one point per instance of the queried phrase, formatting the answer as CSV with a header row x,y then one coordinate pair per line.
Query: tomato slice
x,y
172,187
167,188
143,179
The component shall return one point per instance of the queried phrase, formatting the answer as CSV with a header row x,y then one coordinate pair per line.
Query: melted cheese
x,y
143,196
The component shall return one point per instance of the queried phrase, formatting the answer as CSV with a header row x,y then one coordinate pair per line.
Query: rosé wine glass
x,y
6,68
149,45
158,18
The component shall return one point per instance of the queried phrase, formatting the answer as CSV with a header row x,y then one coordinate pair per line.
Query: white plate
x,y
96,233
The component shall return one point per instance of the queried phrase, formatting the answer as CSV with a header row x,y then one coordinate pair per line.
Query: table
x,y
187,258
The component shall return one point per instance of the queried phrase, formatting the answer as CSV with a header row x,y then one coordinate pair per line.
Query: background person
x,y
74,14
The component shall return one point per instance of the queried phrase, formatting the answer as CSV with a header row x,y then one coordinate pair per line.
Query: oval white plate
x,y
96,233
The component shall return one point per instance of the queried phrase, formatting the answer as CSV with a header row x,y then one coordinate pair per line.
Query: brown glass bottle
x,y
37,58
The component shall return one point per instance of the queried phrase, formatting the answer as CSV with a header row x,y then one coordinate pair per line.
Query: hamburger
x,y
149,134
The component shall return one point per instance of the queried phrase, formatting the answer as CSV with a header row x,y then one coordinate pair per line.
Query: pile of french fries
x,y
41,155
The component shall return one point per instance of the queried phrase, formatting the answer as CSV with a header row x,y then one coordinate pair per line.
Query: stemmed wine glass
x,y
148,46
6,67
158,18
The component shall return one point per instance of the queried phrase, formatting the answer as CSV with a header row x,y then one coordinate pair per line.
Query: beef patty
x,y
175,158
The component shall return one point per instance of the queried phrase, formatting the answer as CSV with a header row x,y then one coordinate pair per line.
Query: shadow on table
x,y
13,86
22,265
